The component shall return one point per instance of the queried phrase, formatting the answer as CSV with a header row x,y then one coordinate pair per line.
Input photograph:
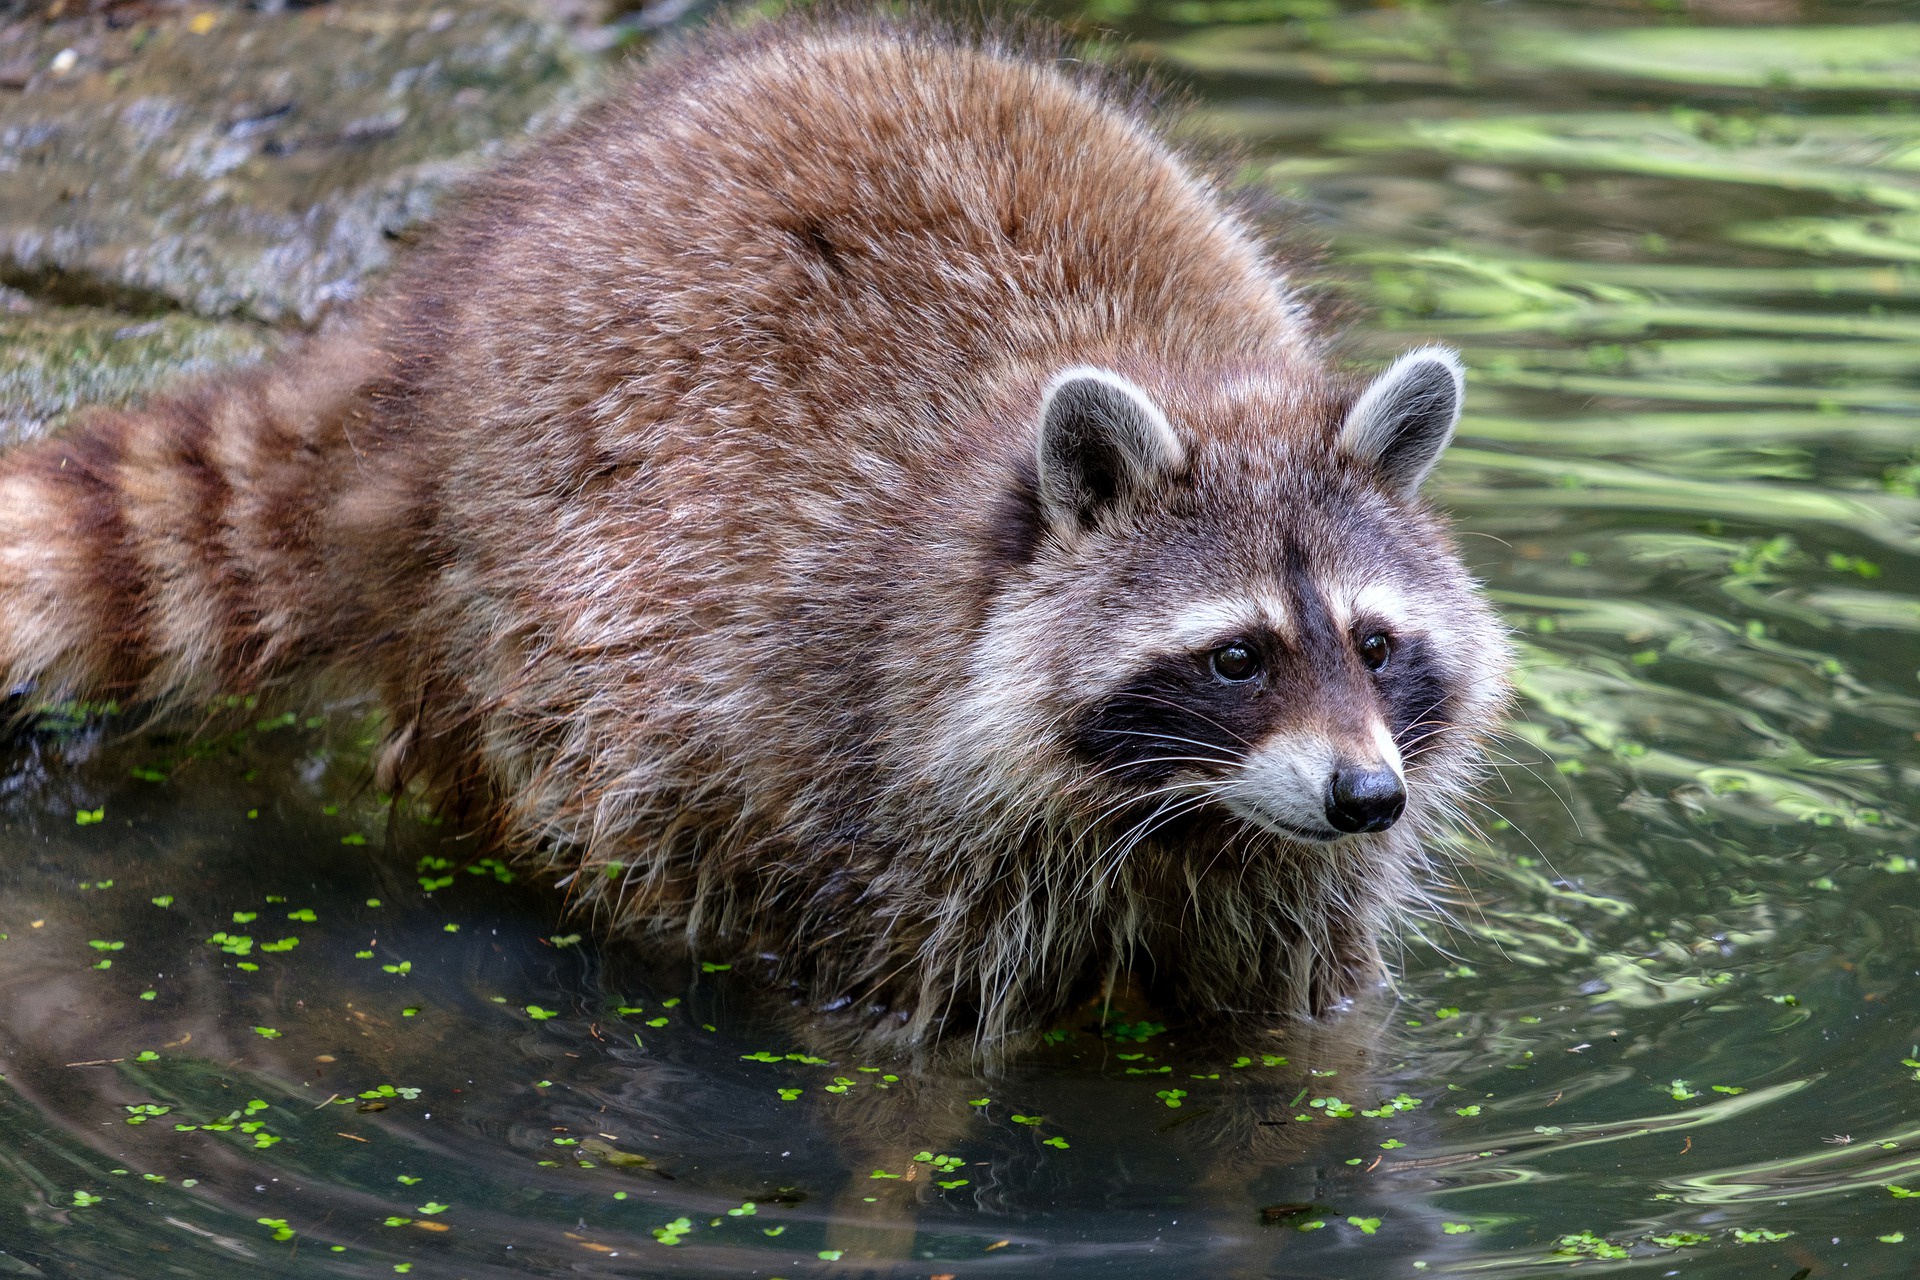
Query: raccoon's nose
x,y
1364,799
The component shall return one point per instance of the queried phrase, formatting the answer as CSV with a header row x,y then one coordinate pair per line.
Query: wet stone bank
x,y
180,182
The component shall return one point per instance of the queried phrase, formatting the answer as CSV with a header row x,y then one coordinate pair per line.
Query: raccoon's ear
x,y
1400,425
1102,442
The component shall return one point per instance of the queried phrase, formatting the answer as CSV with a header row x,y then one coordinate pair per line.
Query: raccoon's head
x,y
1236,603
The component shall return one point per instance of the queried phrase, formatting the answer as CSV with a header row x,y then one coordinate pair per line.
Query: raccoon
x,y
860,497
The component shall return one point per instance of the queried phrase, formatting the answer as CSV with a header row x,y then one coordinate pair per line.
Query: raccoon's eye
x,y
1375,650
1236,662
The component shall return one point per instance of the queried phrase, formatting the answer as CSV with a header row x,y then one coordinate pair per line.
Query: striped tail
x,y
171,551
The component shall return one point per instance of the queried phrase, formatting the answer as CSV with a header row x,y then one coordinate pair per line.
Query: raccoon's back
x,y
824,237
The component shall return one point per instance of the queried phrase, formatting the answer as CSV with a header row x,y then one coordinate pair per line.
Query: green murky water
x,y
1666,1022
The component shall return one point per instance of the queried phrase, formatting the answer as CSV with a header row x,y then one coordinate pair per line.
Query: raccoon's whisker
x,y
1475,533
1504,768
1188,710
1487,933
1457,828
1421,721
1122,803
1517,829
1205,790
1578,827
1202,791
1426,901
1450,825
1460,818
1447,851
1176,738
1412,751
1175,795
1110,864
1134,764
1433,915
1112,861
1166,813
1555,791
1193,881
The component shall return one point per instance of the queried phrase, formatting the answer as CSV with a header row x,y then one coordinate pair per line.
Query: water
x,y
1664,1023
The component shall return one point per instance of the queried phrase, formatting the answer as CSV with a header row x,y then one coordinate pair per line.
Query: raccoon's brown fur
x,y
706,503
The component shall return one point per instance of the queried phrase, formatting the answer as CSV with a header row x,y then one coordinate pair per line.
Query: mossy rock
x,y
54,360
256,163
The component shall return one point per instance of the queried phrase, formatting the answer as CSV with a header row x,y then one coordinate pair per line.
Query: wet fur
x,y
678,500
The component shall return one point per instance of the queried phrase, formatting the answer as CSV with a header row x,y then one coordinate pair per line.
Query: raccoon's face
x,y
1284,632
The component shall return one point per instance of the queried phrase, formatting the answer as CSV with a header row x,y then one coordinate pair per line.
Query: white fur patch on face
x,y
1282,787
1212,621
1378,599
1196,627
1386,750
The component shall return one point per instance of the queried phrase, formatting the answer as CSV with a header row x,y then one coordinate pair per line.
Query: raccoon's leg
x,y
169,551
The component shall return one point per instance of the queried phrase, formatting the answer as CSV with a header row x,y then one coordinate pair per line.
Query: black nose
x,y
1363,799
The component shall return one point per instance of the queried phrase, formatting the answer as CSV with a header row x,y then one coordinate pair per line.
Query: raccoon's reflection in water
x,y
1192,1137
330,1046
